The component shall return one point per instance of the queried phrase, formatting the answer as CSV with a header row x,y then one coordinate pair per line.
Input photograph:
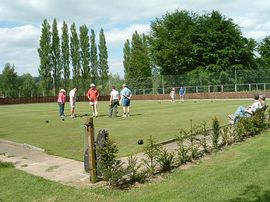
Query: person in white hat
x,y
61,102
92,96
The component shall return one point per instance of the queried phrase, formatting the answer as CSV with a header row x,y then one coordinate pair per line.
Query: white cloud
x,y
19,47
119,36
116,66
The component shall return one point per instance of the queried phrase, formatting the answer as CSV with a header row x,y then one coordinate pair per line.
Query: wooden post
x,y
91,149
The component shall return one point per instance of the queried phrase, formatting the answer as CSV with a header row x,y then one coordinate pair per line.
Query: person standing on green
x,y
114,102
182,92
72,100
125,96
61,102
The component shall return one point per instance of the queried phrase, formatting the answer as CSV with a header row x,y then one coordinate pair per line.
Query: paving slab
x,y
36,162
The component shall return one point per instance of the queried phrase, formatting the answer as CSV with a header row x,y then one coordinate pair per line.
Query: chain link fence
x,y
201,82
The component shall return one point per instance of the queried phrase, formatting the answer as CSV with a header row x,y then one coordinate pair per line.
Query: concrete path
x,y
36,162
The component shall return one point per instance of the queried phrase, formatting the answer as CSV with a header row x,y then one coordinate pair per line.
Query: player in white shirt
x,y
114,102
72,100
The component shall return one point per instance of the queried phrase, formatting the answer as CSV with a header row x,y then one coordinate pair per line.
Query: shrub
x,y
165,160
204,139
259,121
225,134
151,151
6,165
267,118
133,170
240,130
182,151
194,149
216,130
110,168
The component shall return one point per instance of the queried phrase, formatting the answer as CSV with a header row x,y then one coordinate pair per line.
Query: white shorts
x,y
93,103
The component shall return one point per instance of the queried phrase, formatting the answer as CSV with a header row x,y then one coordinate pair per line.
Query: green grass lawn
x,y
238,174
162,120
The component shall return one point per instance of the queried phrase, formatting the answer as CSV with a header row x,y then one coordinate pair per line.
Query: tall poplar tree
x,y
65,55
103,59
45,57
56,57
126,61
75,55
85,56
139,62
93,57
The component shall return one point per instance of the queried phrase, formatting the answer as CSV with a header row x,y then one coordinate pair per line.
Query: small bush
x,y
267,118
194,149
225,134
166,160
204,139
133,169
183,151
151,151
240,130
6,165
111,169
259,121
216,130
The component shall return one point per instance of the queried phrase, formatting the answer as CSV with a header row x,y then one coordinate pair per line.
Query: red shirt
x,y
61,98
93,94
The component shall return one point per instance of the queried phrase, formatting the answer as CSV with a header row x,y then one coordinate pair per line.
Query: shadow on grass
x,y
101,115
253,193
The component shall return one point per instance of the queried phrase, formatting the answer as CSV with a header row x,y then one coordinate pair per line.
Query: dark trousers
x,y
61,109
113,108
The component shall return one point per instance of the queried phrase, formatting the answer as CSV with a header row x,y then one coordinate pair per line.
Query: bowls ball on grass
x,y
140,142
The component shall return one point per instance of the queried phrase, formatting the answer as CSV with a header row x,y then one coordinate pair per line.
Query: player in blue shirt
x,y
125,95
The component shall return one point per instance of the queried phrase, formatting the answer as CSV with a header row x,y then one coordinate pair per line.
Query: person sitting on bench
x,y
242,111
263,103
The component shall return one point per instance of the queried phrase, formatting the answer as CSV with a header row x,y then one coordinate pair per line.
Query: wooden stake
x,y
91,149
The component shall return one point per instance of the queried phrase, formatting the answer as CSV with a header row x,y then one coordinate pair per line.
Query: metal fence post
x,y
162,80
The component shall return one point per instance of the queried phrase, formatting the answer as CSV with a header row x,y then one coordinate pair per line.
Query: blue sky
x,y
20,23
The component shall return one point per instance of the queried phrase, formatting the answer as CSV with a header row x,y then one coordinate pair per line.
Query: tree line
x,y
89,62
185,43
179,43
71,60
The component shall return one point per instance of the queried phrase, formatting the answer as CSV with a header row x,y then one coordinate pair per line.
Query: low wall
x,y
217,95
45,99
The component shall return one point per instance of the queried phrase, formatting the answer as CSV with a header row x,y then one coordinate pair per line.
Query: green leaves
x,y
182,41
103,67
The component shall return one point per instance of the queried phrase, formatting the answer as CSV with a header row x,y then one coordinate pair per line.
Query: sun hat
x,y
62,90
124,85
262,97
92,85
